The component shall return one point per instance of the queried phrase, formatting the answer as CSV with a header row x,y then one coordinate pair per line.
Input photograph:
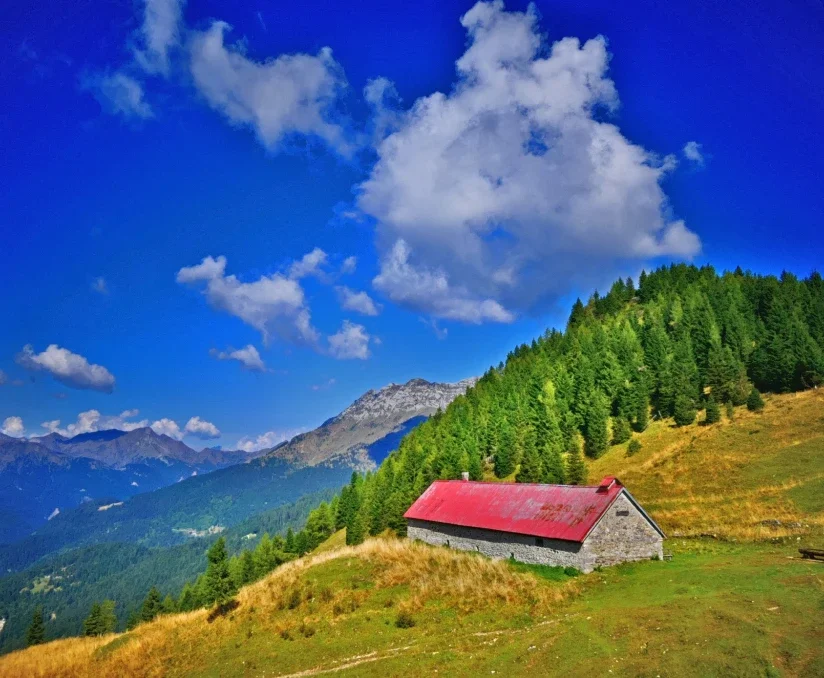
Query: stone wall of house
x,y
500,545
622,534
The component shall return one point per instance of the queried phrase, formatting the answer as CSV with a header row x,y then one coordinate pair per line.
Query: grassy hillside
x,y
740,605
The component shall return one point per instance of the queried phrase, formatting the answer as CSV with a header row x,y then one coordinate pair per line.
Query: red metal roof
x,y
565,512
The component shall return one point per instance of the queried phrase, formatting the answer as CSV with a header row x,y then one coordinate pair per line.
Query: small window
x,y
622,512
539,541
447,542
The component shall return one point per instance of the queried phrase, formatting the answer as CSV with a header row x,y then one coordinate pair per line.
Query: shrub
x,y
713,412
404,620
730,410
755,403
684,411
294,599
634,447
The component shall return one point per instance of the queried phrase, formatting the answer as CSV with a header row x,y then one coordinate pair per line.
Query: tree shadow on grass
x,y
222,610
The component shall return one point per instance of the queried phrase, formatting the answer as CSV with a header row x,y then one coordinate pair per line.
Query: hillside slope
x,y
744,605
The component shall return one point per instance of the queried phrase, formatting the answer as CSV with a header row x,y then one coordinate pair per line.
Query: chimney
x,y
608,483
465,476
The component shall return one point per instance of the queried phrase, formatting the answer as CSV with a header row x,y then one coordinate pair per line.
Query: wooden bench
x,y
813,554
667,555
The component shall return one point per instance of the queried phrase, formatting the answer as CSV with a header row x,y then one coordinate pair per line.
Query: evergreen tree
x,y
755,403
93,625
554,469
596,436
37,629
641,420
684,413
713,412
219,586
152,605
290,541
576,472
504,459
621,431
356,532
108,617
531,470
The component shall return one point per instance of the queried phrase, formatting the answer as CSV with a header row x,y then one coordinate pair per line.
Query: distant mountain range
x,y
43,477
371,417
360,438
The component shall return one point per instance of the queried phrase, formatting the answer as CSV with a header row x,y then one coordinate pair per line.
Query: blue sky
x,y
140,139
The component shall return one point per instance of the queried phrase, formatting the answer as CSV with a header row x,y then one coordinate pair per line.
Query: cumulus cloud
x,y
350,342
91,421
694,153
290,94
495,197
273,304
360,302
13,426
167,427
205,430
119,93
247,356
159,33
311,263
265,440
68,368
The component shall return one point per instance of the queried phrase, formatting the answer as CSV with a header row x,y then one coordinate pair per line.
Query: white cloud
x,y
167,427
119,93
381,95
271,304
349,265
265,440
13,426
293,93
159,34
205,430
68,368
248,357
99,285
350,342
694,153
91,421
329,383
310,264
360,302
499,195
431,291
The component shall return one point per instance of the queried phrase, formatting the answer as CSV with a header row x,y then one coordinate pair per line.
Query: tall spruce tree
x,y
713,415
93,624
219,585
531,469
596,435
576,471
37,629
152,605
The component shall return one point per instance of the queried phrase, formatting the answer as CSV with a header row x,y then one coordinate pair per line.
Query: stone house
x,y
567,525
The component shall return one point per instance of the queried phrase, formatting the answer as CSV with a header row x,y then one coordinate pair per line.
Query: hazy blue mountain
x,y
40,478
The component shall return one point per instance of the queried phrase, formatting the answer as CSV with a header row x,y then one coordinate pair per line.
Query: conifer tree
x,y
596,436
290,541
755,403
93,624
504,459
356,532
576,472
152,605
554,469
684,411
531,470
621,431
37,629
108,617
219,587
713,415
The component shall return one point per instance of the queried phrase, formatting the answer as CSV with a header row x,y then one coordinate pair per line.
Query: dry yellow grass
x,y
465,580
745,479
